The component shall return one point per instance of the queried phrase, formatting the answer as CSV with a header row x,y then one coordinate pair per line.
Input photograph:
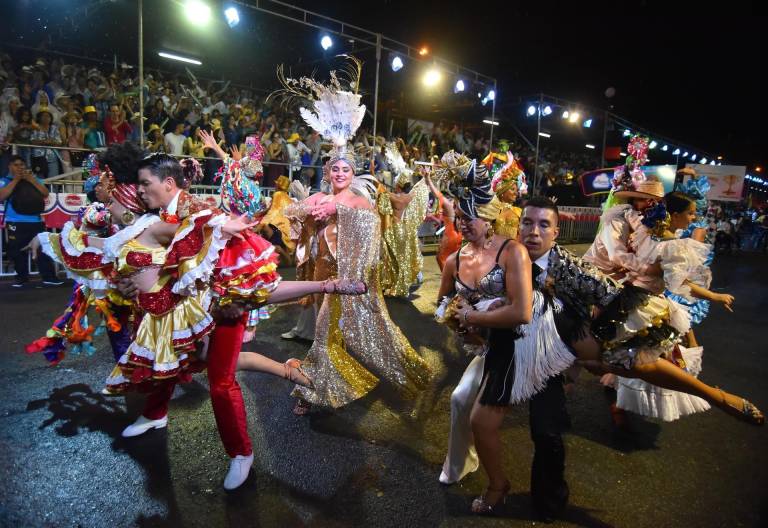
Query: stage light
x,y
627,132
197,12
432,77
326,42
479,95
491,95
623,154
759,169
484,101
424,51
575,116
397,63
459,86
588,123
232,16
712,162
719,157
686,154
703,161
719,163
531,110
676,152
652,145
693,157
566,114
489,122
665,148
179,58
590,146
545,135
547,110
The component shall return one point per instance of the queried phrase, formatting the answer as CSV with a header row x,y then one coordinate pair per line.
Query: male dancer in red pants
x,y
161,183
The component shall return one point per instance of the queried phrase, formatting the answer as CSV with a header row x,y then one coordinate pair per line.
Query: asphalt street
x,y
375,462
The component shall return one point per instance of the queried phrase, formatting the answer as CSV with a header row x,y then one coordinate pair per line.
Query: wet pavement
x,y
376,462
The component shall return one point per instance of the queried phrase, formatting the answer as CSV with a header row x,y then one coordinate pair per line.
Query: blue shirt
x,y
10,214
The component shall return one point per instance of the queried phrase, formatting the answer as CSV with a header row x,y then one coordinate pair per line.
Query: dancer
x,y
507,183
356,343
538,360
686,271
641,326
402,211
450,241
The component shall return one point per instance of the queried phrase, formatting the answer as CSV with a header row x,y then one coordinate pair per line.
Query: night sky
x,y
695,79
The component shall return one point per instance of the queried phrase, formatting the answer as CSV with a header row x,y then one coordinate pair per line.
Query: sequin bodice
x,y
490,286
134,256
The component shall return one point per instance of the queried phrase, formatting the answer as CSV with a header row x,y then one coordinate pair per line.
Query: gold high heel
x,y
481,506
748,412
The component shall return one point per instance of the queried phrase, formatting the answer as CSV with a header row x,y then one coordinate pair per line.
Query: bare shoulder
x,y
515,254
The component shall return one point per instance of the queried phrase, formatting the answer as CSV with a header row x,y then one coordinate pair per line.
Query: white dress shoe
x,y
142,425
238,471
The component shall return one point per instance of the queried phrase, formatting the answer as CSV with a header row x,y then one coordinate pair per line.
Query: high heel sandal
x,y
302,407
294,363
748,412
481,506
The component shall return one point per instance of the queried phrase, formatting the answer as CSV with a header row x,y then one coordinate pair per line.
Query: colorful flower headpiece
x,y
656,219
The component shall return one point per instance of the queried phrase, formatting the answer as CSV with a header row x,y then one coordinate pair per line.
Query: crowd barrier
x,y
577,224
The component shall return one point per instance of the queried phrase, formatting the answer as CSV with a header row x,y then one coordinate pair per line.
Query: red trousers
x,y
226,396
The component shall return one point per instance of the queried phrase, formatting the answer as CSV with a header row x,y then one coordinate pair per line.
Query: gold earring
x,y
128,218
489,232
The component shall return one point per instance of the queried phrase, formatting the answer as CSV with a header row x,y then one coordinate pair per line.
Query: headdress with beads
x,y
334,108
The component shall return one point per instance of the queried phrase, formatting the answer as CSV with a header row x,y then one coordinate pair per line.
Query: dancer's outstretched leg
x,y
664,374
290,370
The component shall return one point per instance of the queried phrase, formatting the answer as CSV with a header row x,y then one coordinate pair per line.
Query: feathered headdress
x,y
397,164
508,175
466,181
250,164
335,110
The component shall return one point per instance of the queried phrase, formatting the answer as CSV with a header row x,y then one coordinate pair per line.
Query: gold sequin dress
x,y
356,343
402,259
507,224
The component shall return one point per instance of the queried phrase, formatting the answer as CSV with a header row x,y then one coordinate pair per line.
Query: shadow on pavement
x,y
518,506
77,407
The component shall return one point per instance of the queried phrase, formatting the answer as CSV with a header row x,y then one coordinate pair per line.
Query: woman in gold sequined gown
x,y
356,343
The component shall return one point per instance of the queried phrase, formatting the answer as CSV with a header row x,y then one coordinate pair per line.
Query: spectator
x,y
24,196
295,150
276,153
155,139
157,115
45,161
116,128
23,132
93,136
71,136
174,140
193,146
233,134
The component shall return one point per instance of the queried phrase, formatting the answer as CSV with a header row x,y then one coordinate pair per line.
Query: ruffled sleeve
x,y
682,260
194,251
83,264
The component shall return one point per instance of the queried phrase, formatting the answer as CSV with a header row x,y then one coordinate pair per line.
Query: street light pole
x,y
603,161
376,102
538,139
493,116
141,75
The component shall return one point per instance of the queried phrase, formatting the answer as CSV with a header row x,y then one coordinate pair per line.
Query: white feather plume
x,y
395,160
336,115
